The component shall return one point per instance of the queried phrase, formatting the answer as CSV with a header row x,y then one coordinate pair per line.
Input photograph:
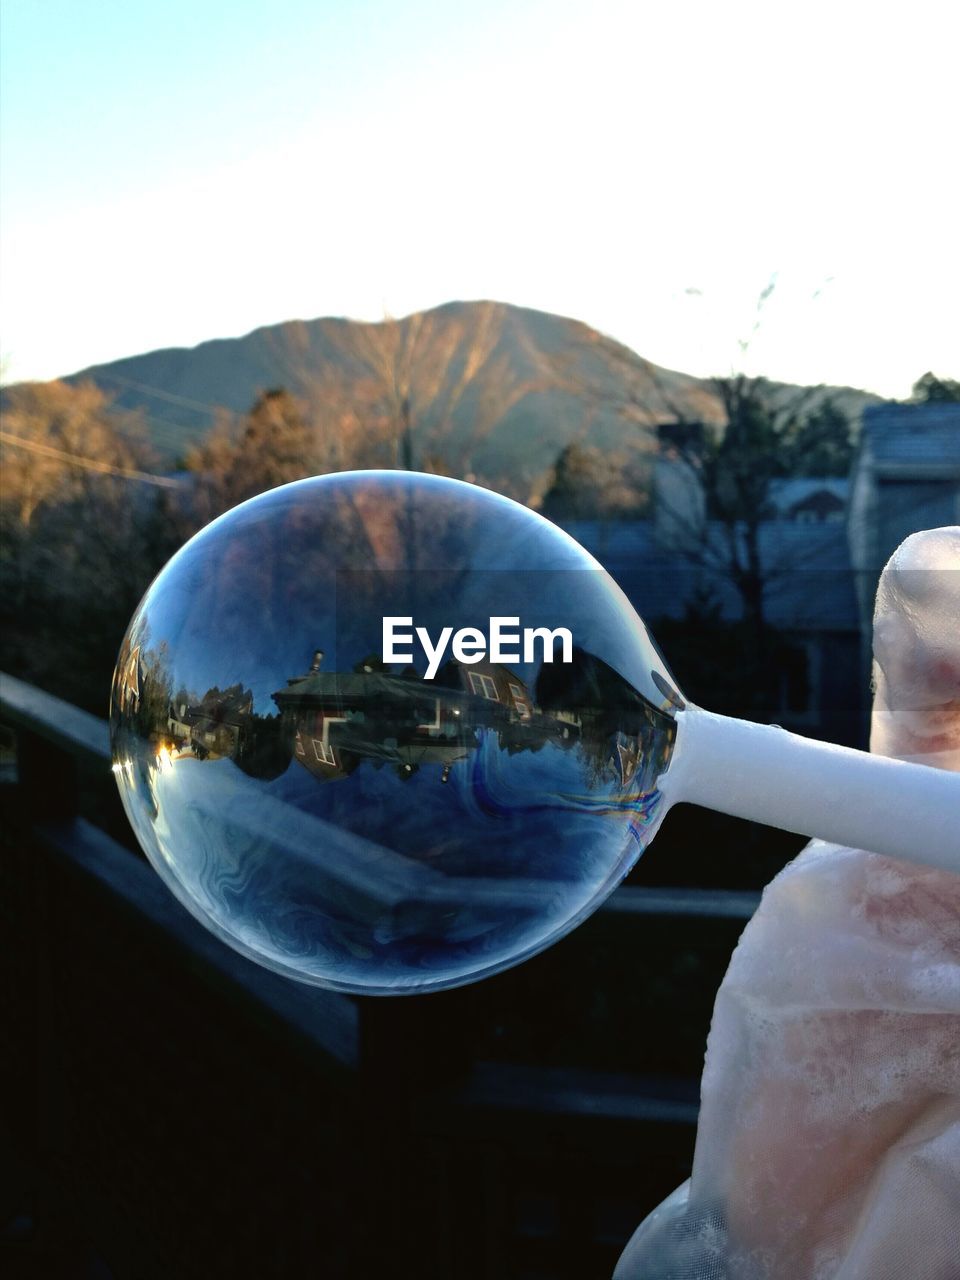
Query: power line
x,y
91,464
157,392
161,431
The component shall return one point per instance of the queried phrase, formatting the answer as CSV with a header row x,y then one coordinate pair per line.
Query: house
x,y
821,551
906,477
489,680
810,500
809,598
336,720
215,726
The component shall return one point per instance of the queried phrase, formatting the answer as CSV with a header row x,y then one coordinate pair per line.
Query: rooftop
x,y
786,495
911,434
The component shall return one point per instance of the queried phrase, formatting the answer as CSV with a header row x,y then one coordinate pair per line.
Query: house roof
x,y
321,686
914,434
787,494
376,687
809,579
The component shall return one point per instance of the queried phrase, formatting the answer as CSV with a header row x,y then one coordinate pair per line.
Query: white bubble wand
x,y
848,797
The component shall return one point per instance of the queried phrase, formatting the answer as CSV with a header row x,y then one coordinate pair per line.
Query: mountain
x,y
494,390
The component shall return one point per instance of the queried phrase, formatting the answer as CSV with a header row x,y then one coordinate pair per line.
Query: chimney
x,y
317,661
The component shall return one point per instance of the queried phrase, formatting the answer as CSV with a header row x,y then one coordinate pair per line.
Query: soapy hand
x,y
828,1146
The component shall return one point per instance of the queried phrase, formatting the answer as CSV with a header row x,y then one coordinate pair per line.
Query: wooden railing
x,y
178,1110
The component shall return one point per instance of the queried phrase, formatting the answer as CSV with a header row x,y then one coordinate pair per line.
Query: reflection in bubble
x,y
343,819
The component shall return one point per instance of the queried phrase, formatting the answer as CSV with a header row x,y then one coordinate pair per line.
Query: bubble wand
x,y
769,775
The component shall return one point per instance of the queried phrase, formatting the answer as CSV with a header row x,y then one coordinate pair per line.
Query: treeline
x,y
81,534
87,522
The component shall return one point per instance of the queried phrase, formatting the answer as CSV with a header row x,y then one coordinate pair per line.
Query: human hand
x,y
828,1146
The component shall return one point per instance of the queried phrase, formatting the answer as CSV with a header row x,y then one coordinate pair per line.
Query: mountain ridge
x,y
495,389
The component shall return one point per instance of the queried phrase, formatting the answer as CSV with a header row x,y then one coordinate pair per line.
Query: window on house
x,y
484,686
519,701
323,751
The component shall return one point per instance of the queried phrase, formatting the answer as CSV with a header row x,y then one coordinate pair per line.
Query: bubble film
x,y
328,810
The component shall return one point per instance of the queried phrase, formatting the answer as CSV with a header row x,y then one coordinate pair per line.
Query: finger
x,y
916,644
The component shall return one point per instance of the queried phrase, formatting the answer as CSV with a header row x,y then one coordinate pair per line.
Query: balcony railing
x,y
175,1109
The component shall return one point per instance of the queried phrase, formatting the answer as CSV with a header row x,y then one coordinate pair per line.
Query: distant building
x,y
809,598
906,477
810,500
679,501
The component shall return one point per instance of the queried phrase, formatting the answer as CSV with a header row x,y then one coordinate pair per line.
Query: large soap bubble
x,y
372,813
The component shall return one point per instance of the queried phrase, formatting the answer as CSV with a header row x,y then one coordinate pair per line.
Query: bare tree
x,y
271,445
763,439
78,542
587,483
422,373
59,441
720,446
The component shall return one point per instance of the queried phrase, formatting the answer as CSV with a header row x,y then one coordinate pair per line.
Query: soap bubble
x,y
326,809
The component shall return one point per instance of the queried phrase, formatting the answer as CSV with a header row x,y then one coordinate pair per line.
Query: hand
x,y
828,1145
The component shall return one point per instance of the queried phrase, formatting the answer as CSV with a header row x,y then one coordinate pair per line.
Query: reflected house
x,y
214,727
334,720
128,677
628,739
490,681
521,724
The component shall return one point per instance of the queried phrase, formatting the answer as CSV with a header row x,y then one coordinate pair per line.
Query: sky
x,y
176,172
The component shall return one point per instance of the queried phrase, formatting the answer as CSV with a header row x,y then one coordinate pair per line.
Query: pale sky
x,y
181,171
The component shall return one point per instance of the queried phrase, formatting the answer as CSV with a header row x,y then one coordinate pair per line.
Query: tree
x,y
397,397
587,483
722,446
61,441
423,374
930,389
78,540
738,469
764,439
818,443
274,444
